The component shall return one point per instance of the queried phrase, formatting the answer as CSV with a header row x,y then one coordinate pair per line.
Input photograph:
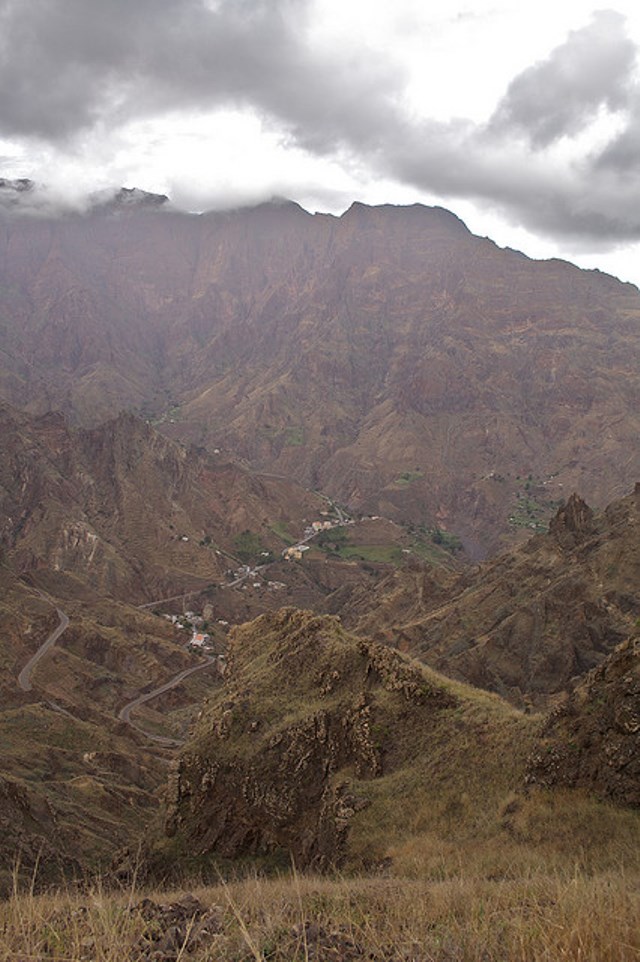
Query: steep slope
x,y
528,622
121,510
388,356
77,783
593,738
92,522
317,731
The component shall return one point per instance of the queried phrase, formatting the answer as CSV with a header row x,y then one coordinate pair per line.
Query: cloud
x,y
559,96
78,75
68,65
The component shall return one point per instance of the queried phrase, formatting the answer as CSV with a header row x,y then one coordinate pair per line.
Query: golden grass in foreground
x,y
458,920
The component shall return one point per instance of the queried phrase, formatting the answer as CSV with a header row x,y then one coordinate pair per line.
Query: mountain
x,y
388,357
312,731
528,622
591,740
94,522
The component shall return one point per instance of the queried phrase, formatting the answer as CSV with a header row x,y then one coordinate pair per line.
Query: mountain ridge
x,y
348,352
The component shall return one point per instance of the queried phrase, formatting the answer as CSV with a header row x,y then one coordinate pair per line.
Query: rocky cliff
x,y
126,512
592,740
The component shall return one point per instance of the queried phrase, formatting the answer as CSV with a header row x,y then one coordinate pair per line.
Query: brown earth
x,y
593,739
77,782
92,520
329,749
309,719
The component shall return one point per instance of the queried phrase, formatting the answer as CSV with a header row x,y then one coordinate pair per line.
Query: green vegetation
x,y
382,553
294,436
171,413
280,529
432,545
249,547
446,540
336,539
408,477
424,538
337,542
532,507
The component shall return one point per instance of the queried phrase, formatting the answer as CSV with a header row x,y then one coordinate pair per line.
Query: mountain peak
x,y
11,190
128,198
434,217
573,522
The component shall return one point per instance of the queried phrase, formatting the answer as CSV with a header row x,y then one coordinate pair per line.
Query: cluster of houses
x,y
194,622
200,640
295,552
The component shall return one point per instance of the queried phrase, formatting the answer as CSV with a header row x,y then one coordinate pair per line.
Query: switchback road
x,y
24,678
125,713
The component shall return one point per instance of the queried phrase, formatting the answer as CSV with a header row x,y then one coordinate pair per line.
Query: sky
x,y
522,119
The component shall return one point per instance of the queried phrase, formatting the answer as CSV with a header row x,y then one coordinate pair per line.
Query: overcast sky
x,y
524,119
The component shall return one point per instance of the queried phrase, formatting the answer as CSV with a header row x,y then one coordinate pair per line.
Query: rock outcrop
x,y
127,511
592,740
573,522
31,839
529,622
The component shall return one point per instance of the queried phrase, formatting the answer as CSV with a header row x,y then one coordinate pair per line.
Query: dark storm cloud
x,y
72,67
561,95
66,65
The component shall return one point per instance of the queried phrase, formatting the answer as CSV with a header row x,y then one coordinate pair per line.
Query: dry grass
x,y
550,918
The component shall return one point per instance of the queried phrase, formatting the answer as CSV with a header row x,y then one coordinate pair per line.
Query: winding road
x,y
125,713
24,678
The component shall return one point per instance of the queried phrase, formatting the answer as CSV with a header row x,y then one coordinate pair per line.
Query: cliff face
x,y
335,750
388,356
126,511
593,739
31,834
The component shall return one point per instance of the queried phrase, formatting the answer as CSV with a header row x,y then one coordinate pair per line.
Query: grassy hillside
x,y
295,919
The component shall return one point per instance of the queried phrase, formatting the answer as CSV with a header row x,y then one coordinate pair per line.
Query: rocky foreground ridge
x,y
309,719
592,740
328,747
